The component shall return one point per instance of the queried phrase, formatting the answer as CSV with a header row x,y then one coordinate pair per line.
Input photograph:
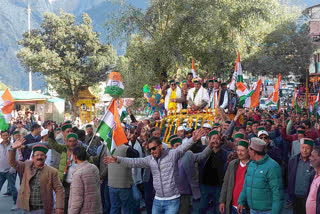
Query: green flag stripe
x,y
104,130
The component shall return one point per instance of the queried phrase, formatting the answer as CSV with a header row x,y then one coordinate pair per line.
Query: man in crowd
x,y
6,171
219,98
234,179
163,164
198,97
96,141
85,187
187,176
300,172
313,200
181,133
189,80
38,183
66,164
23,131
120,179
265,194
173,97
33,137
212,171
210,88
273,151
254,133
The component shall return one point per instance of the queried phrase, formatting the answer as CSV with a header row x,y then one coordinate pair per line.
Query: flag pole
x,y
307,86
98,127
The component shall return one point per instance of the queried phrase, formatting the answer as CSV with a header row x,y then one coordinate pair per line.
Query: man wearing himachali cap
x,y
300,176
265,194
234,178
186,178
39,181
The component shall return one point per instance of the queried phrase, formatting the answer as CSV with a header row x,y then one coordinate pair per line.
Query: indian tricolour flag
x,y
295,104
110,129
122,110
6,105
193,70
253,96
114,85
316,105
241,90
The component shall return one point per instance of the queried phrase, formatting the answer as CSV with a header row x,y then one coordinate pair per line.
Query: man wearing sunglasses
x,y
273,151
173,98
163,166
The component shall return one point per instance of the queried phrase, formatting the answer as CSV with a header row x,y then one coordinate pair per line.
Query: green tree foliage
x,y
69,55
164,38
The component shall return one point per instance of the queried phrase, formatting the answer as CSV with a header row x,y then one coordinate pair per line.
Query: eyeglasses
x,y
266,137
173,84
153,148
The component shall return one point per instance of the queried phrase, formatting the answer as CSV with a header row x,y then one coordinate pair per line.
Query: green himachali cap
x,y
261,128
239,135
249,123
172,136
307,141
171,81
175,140
41,148
88,126
228,121
58,129
243,143
16,132
210,80
66,126
72,135
213,132
301,131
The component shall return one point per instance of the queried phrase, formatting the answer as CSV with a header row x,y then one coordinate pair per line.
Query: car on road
x,y
262,103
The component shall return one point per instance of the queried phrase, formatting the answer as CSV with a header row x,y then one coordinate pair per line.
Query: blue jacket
x,y
262,188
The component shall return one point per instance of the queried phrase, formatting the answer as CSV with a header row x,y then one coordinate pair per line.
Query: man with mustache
x,y
39,181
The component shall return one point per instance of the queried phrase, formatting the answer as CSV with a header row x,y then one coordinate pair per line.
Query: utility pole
x,y
29,29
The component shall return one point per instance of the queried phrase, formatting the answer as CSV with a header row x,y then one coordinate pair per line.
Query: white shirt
x,y
71,169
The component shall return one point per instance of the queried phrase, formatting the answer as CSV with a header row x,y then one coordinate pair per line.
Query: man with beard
x,y
173,97
212,171
96,141
39,181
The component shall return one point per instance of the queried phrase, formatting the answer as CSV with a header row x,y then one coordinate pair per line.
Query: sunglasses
x,y
173,84
264,138
153,148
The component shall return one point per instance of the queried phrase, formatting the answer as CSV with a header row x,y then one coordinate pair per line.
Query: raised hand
x,y
109,159
197,135
18,143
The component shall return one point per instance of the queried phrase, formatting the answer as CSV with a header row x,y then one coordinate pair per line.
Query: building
x,y
314,23
47,107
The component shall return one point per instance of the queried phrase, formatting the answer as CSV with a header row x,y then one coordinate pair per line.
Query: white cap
x,y
44,132
262,132
181,128
207,125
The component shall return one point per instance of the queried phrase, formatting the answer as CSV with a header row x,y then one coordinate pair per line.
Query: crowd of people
x,y
245,162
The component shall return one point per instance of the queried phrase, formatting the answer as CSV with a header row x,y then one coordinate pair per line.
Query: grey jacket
x,y
163,169
187,177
